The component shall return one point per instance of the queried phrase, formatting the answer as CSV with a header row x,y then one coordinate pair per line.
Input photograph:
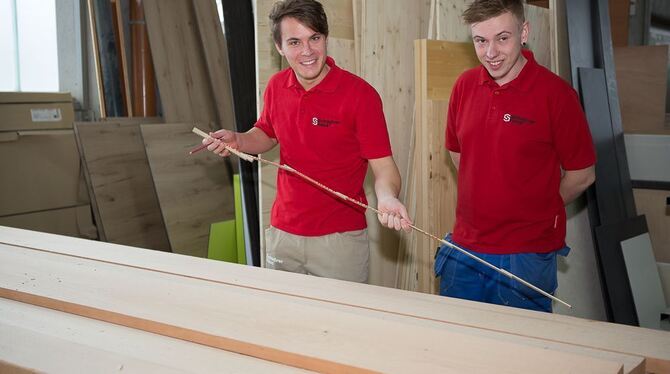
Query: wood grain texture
x,y
193,191
181,70
119,180
386,32
441,63
545,327
539,38
560,53
215,51
641,73
652,203
237,320
94,346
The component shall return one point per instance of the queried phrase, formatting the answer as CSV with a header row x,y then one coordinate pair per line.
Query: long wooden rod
x,y
251,158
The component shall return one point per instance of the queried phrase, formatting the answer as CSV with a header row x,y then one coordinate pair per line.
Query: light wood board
x,y
193,191
92,346
181,70
237,320
641,74
119,179
628,340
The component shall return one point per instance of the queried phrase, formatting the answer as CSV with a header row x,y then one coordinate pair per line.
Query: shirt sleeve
x,y
371,130
572,137
264,122
451,139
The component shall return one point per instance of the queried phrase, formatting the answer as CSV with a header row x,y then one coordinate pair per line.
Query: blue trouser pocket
x,y
446,273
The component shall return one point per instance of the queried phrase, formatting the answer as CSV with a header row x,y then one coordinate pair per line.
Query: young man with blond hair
x,y
521,144
330,125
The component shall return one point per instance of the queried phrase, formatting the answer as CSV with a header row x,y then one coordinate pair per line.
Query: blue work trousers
x,y
466,278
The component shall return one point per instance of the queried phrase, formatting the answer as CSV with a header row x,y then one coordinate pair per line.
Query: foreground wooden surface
x,y
287,321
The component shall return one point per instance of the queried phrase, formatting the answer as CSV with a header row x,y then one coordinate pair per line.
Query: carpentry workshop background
x,y
119,251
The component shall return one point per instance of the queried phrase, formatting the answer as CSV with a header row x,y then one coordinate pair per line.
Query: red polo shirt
x,y
328,133
513,140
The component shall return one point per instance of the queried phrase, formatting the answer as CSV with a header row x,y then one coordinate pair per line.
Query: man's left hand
x,y
394,214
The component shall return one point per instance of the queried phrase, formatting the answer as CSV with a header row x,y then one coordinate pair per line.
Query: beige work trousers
x,y
344,256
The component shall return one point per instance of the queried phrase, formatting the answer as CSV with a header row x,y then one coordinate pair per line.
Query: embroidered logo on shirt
x,y
517,120
324,122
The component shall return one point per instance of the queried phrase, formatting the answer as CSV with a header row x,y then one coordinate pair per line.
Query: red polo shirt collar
x,y
522,82
329,82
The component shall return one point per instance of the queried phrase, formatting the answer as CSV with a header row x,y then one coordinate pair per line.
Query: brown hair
x,y
482,10
309,12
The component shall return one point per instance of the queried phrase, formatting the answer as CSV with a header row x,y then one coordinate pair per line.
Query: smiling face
x,y
498,43
305,50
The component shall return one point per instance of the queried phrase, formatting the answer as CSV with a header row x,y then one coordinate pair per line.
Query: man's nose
x,y
307,49
491,50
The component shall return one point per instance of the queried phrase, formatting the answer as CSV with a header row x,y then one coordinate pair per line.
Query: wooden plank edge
x,y
232,345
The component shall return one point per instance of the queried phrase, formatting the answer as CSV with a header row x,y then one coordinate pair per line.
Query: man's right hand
x,y
225,138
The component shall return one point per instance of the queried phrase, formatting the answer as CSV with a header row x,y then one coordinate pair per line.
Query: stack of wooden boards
x,y
247,319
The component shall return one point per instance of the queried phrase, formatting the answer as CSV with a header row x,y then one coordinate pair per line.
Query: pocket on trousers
x,y
445,267
538,269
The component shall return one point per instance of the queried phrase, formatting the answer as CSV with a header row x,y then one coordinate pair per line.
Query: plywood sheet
x,y
653,204
215,52
119,179
181,70
641,73
193,191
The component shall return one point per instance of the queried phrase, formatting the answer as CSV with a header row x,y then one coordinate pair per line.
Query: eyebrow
x,y
311,36
498,34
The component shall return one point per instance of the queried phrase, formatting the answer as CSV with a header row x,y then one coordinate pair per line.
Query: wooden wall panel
x,y
539,39
124,200
442,63
386,33
193,191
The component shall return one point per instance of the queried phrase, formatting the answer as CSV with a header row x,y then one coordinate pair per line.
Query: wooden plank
x,y
560,54
449,21
547,327
181,71
442,63
641,76
385,34
653,204
93,346
239,322
619,19
215,52
539,39
119,180
193,191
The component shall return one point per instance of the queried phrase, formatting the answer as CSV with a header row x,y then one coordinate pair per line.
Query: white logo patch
x,y
507,117
315,121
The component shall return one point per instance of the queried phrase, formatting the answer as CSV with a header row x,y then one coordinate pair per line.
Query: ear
x,y
279,49
525,30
